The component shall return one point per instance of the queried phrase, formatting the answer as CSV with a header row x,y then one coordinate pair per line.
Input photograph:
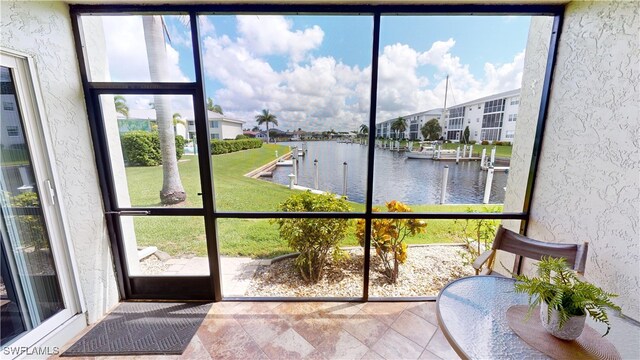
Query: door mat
x,y
142,328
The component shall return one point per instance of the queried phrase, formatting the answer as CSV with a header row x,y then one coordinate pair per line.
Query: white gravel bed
x,y
151,265
426,271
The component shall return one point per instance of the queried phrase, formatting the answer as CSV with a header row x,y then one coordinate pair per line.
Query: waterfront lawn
x,y
258,238
502,151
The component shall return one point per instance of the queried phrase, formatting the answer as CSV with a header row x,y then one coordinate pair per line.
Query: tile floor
x,y
317,330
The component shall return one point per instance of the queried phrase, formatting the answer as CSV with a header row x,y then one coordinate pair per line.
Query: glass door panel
x,y
136,126
30,291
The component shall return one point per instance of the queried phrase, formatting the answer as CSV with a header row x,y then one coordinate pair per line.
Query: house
x,y
579,183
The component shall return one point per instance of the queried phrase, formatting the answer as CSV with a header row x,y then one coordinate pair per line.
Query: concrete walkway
x,y
237,272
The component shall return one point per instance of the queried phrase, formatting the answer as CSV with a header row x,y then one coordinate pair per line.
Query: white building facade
x,y
414,123
491,118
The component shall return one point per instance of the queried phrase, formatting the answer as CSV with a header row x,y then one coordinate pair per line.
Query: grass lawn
x,y
502,151
184,235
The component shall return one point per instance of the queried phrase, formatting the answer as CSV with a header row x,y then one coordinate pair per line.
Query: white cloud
x,y
127,57
308,91
273,35
127,51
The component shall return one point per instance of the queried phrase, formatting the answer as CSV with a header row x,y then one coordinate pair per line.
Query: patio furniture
x,y
472,314
522,246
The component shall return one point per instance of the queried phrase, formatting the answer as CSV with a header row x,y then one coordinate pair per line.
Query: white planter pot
x,y
571,329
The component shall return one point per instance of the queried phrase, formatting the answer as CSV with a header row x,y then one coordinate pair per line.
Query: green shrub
x,y
498,143
387,237
228,146
242,137
472,142
485,142
142,148
315,239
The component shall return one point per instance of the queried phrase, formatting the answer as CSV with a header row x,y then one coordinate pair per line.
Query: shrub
x,y
477,235
472,142
314,239
241,137
387,237
228,146
142,148
498,143
30,227
484,142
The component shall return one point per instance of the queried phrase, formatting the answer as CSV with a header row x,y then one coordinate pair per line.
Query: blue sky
x,y
314,72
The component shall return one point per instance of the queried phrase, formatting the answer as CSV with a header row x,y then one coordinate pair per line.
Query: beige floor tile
x,y
441,347
295,311
226,339
372,355
288,345
386,312
428,355
365,327
316,329
195,350
263,328
426,310
414,328
392,345
343,346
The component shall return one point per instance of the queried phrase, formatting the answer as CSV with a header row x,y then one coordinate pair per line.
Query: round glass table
x,y
472,313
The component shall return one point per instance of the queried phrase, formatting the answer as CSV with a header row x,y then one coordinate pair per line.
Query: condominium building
x,y
491,118
414,123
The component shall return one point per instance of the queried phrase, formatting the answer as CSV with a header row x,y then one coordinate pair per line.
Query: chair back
x,y
509,241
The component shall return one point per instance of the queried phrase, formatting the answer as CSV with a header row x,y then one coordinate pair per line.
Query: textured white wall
x,y
43,31
588,183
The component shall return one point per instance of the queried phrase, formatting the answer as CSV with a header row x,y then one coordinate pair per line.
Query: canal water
x,y
412,181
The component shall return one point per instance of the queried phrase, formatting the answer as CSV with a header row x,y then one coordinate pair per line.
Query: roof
x,y
490,97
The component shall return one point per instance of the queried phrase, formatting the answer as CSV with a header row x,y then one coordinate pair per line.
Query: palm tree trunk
x,y
267,132
172,191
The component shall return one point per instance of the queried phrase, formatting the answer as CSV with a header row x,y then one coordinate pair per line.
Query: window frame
x,y
92,90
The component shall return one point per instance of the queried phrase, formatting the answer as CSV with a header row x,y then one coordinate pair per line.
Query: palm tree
x,y
214,107
266,118
172,190
399,126
121,105
177,119
364,129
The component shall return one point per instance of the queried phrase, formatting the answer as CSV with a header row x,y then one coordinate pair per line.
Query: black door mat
x,y
142,328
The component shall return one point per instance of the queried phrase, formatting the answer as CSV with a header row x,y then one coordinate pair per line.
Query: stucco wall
x,y
588,182
43,31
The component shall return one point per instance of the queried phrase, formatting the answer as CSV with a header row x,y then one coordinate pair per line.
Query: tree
x,y
255,128
431,130
265,118
465,136
364,130
121,105
213,107
177,119
399,126
172,191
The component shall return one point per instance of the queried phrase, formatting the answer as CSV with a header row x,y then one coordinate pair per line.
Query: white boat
x,y
427,151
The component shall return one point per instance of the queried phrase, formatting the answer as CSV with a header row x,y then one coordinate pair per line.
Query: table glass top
x,y
473,313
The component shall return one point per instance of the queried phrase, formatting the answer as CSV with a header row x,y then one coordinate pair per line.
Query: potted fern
x,y
564,300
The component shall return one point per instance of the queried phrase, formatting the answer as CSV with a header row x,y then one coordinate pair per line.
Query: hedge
x,y
228,146
142,148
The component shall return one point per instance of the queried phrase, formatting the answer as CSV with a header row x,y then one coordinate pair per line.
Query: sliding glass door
x,y
34,282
